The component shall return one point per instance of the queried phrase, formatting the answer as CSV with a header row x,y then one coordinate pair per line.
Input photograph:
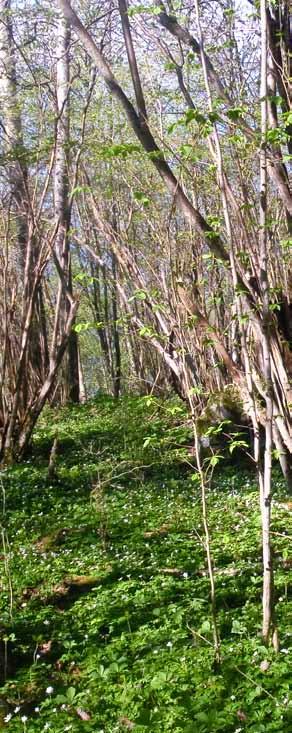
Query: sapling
x,y
203,482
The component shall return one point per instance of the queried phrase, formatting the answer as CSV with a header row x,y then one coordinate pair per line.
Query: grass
x,y
105,618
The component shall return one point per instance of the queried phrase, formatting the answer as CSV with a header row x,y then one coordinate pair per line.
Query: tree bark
x,y
62,208
266,497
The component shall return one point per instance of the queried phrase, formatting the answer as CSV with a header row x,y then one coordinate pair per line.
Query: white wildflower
x,y
7,718
49,690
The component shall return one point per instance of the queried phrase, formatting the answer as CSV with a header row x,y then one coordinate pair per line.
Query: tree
x,y
28,247
62,207
255,312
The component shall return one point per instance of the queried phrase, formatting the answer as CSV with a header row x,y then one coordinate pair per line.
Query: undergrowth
x,y
105,619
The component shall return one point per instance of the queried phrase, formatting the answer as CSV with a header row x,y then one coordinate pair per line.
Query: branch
x,y
171,24
145,137
132,60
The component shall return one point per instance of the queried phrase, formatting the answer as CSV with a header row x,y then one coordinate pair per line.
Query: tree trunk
x,y
266,496
62,208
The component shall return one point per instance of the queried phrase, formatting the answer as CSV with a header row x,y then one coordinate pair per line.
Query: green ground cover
x,y
104,610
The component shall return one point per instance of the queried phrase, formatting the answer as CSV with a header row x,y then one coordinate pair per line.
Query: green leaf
x,y
213,117
70,694
118,150
188,152
60,699
194,115
138,295
237,444
140,196
146,331
172,127
144,717
114,667
147,441
215,459
234,113
195,478
202,717
237,627
148,9
79,327
286,243
206,627
158,680
196,390
277,136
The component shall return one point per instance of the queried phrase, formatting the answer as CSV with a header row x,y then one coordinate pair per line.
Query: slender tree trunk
x,y
62,208
13,143
266,495
83,395
205,518
116,335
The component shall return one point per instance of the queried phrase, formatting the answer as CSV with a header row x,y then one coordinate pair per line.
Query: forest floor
x,y
104,612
